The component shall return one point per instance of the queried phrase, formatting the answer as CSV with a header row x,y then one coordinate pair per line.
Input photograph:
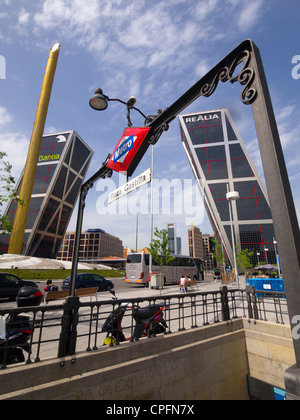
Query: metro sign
x,y
126,153
126,145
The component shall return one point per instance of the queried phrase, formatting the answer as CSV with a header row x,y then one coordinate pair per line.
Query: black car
x,y
85,280
10,285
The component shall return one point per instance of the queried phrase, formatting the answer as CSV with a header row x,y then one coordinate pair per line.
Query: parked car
x,y
84,280
11,284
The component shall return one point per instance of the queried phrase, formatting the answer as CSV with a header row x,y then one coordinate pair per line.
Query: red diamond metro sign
x,y
129,150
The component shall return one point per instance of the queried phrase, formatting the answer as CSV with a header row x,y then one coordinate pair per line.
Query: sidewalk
x,y
145,292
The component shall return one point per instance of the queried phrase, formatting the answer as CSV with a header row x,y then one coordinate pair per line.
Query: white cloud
x,y
205,8
253,149
160,30
142,36
71,19
15,145
53,13
5,117
202,68
293,162
288,137
285,113
289,132
250,14
23,17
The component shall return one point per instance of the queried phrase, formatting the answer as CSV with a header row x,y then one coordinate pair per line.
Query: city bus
x,y
137,269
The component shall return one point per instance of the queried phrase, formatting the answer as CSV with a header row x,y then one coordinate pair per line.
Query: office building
x,y
208,247
95,244
174,241
171,230
63,163
219,159
195,243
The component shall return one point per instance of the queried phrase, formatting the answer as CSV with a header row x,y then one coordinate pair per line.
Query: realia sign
x,y
126,154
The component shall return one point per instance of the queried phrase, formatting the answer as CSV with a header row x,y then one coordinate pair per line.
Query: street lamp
x,y
266,250
257,254
277,256
99,102
233,196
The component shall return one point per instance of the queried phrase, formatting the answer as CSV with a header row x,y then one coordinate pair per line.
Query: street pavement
x,y
125,291
141,292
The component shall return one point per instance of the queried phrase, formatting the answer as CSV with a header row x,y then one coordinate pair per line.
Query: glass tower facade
x,y
220,160
63,163
171,229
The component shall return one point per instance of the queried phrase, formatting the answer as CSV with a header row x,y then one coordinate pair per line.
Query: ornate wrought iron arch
x,y
207,85
255,92
245,77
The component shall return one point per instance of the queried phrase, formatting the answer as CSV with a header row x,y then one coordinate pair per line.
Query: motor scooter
x,y
149,322
16,330
14,338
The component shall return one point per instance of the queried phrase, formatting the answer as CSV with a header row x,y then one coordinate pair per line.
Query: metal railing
x,y
74,326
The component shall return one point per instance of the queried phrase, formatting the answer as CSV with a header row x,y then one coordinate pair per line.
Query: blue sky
x,y
154,51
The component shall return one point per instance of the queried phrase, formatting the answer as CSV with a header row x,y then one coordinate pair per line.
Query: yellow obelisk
x,y
19,225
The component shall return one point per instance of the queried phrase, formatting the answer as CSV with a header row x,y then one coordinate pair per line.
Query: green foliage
x,y
7,191
243,259
218,252
159,248
260,263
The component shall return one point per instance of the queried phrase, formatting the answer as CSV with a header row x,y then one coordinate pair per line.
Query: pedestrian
x,y
187,282
182,282
50,287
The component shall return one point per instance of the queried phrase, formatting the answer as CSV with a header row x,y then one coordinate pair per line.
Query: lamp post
x,y
151,216
104,172
277,257
98,102
266,250
68,338
233,196
257,254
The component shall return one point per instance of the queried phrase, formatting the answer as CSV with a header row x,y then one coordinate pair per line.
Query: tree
x,y
7,191
159,248
218,253
243,260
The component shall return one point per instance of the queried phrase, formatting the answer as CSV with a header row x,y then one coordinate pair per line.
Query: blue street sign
x,y
124,148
